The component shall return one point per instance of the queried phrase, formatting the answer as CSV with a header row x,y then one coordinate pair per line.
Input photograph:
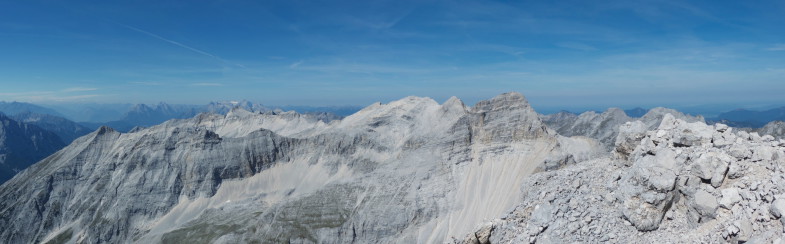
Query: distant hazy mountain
x,y
13,108
92,112
144,115
22,144
636,112
65,129
751,118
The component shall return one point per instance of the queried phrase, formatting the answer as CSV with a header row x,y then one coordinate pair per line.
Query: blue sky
x,y
557,53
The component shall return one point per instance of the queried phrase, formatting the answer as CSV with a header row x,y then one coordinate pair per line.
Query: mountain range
x,y
409,171
142,115
424,167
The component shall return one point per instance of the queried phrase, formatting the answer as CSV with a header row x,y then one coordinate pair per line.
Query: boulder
x,y
705,203
648,191
777,208
745,230
542,215
730,196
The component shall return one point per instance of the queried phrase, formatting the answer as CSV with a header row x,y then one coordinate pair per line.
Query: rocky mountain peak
x,y
656,114
506,101
616,112
104,130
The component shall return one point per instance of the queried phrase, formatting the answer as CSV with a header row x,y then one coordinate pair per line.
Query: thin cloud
x,y
19,94
206,84
181,45
295,64
778,47
576,46
54,98
145,83
75,98
79,89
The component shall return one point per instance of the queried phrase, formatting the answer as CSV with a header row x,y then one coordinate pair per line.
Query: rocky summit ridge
x,y
409,171
680,182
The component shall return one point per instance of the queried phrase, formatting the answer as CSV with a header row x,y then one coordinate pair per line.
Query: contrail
x,y
180,45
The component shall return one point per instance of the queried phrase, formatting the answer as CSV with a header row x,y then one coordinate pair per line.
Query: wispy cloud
x,y
295,64
74,98
79,89
206,84
778,47
576,46
145,83
182,45
49,96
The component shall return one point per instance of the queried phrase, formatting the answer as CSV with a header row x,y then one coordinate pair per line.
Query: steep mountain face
x,y
683,182
412,171
23,144
604,126
65,129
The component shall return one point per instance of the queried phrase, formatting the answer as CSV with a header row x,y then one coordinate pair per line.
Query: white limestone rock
x,y
730,196
705,203
648,190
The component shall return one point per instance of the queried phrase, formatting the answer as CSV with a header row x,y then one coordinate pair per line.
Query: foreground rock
x,y
683,182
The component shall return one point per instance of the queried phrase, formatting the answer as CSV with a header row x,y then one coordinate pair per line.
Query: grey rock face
x,y
429,171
